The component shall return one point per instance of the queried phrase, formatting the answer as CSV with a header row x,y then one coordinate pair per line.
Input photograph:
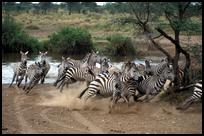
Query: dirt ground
x,y
46,110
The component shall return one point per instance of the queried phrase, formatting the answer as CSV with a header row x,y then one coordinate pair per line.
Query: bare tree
x,y
176,16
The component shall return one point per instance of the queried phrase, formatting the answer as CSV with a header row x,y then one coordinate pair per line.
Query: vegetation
x,y
120,45
177,17
14,38
70,40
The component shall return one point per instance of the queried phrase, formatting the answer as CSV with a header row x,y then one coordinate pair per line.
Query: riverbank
x,y
46,110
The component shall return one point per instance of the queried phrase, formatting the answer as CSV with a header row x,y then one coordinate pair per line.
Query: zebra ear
x,y
46,52
26,53
21,52
40,52
63,58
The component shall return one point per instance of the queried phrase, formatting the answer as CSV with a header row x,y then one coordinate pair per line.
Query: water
x,y
54,60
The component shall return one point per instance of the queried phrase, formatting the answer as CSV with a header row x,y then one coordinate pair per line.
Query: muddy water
x,y
8,60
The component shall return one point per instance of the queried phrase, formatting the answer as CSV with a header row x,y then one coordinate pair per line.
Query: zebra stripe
x,y
19,69
153,84
157,69
197,94
34,73
105,85
47,65
74,74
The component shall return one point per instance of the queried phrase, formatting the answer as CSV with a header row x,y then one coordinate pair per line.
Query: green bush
x,y
120,45
14,37
71,40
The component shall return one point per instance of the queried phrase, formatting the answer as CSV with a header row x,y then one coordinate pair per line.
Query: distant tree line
x,y
83,7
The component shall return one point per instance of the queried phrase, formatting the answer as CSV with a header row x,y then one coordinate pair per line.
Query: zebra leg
x,y
58,80
26,77
136,97
62,85
115,97
82,93
28,88
17,79
14,76
126,100
185,104
20,80
35,83
42,79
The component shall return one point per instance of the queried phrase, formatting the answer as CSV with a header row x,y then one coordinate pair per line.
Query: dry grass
x,y
99,25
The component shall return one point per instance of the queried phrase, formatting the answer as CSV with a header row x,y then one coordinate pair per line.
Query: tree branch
x,y
184,9
157,37
160,48
148,11
167,36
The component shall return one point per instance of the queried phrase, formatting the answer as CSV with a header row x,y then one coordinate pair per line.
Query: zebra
x,y
19,69
34,73
148,70
67,63
74,74
104,85
157,69
153,84
197,94
47,65
131,71
128,89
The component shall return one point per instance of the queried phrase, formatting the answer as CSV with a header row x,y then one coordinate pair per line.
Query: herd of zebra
x,y
103,79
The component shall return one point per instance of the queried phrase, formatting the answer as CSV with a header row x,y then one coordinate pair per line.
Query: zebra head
x,y
86,58
24,57
126,66
105,64
134,71
148,68
168,73
43,55
64,63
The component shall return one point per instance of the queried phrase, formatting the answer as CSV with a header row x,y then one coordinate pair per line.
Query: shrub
x,y
14,37
120,45
32,27
71,40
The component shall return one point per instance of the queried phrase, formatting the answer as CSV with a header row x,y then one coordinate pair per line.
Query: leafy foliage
x,y
120,45
71,40
15,39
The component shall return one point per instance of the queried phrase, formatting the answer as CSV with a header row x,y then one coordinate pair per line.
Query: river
x,y
54,60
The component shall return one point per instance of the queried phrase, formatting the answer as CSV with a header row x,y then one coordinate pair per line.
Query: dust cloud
x,y
69,98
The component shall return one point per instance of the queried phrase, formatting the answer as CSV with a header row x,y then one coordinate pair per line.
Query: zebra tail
x,y
82,93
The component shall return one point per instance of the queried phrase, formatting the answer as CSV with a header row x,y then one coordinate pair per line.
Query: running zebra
x,y
104,85
47,65
153,84
157,69
130,71
74,74
197,94
19,69
34,73
68,63
128,89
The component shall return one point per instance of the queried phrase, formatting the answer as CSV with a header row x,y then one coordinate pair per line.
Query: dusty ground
x,y
46,110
